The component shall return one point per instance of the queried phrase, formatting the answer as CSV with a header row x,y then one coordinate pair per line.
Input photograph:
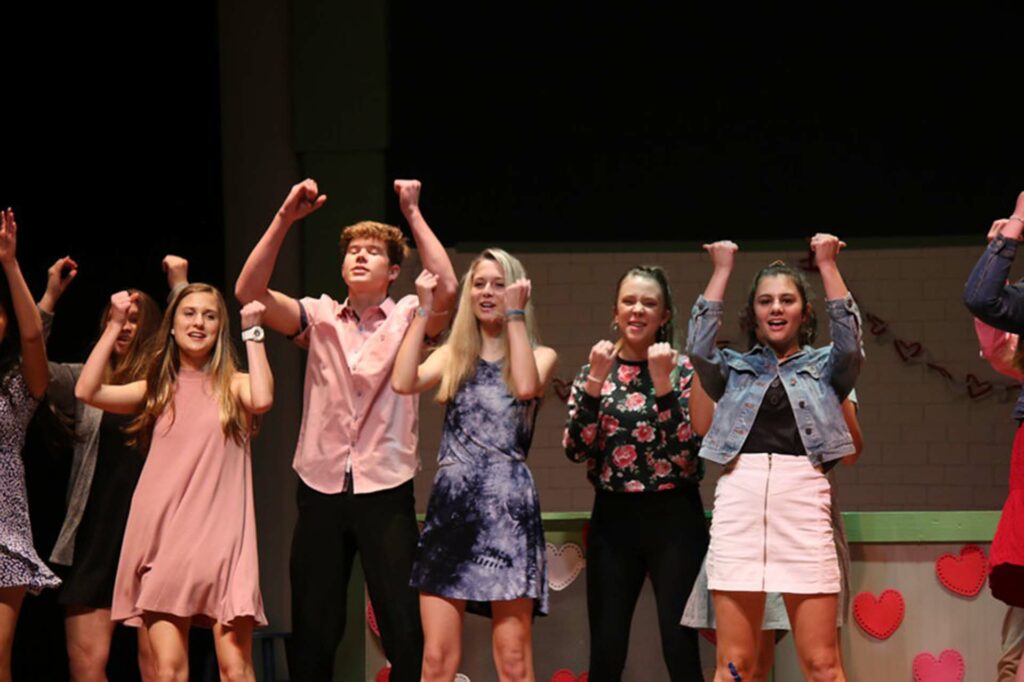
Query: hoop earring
x,y
615,326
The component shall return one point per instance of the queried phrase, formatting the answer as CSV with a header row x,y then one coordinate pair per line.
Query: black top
x,y
775,429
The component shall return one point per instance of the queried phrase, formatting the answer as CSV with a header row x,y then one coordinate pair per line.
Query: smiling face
x,y
779,310
196,325
366,267
640,312
487,291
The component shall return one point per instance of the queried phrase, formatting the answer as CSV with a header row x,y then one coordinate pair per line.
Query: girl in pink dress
x,y
189,552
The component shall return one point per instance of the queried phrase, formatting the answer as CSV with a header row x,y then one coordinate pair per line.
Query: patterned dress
x,y
19,563
483,540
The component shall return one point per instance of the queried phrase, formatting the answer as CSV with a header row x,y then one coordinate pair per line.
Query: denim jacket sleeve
x,y
847,353
987,295
707,359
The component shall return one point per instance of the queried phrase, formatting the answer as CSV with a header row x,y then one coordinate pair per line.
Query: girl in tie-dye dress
x,y
482,547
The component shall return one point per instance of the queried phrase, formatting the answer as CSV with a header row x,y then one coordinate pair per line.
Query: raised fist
x,y
723,253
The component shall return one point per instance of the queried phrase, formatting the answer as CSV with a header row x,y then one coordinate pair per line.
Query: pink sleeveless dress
x,y
190,543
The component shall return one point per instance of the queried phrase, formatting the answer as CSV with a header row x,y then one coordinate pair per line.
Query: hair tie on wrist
x,y
591,377
514,311
1017,217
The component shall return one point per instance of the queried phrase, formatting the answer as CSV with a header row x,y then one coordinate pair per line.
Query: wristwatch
x,y
253,334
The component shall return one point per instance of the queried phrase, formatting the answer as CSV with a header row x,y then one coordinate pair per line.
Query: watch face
x,y
257,333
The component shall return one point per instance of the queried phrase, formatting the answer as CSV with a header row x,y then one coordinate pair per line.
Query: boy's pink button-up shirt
x,y
349,411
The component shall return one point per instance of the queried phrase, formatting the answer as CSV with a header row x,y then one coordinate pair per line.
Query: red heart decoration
x,y
907,350
949,667
878,325
965,574
566,675
563,388
940,370
371,618
383,675
976,388
879,617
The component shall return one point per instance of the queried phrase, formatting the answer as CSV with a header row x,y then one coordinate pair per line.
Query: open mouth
x,y
198,336
776,325
636,325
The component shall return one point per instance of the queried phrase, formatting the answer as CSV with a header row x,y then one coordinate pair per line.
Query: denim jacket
x,y
816,381
992,300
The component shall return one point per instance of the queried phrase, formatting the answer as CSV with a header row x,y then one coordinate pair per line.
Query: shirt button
x,y
792,382
802,405
808,431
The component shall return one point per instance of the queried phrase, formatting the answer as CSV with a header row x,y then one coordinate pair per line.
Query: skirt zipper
x,y
764,545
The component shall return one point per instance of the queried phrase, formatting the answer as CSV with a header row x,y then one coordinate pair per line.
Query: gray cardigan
x,y
61,392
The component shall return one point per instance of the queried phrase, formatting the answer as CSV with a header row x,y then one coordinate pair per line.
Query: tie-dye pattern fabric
x,y
483,540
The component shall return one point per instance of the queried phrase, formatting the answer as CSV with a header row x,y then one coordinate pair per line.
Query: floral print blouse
x,y
631,440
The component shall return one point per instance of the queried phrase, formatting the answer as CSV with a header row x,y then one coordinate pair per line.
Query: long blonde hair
x,y
464,342
162,374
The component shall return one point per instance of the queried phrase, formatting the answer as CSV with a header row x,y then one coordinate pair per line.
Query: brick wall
x,y
928,444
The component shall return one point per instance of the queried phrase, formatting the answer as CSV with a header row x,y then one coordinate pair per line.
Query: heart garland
x,y
964,574
948,667
566,675
565,562
910,351
879,617
563,388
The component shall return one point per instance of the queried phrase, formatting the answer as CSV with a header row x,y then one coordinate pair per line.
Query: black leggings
x,y
631,534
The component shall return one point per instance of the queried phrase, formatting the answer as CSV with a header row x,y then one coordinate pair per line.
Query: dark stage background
x,y
566,124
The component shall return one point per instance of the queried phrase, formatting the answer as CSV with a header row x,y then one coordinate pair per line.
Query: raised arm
x,y
176,268
702,408
254,390
33,345
282,311
530,368
433,256
706,319
986,294
847,354
90,389
58,277
409,375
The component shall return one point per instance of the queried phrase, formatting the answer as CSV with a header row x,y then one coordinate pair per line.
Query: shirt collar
x,y
347,312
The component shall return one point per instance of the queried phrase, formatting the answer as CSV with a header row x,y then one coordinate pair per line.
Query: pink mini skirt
x,y
771,530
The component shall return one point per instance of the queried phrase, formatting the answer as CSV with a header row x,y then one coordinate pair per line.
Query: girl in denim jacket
x,y
778,427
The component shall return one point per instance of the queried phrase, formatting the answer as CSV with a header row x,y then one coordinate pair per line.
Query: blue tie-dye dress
x,y
483,540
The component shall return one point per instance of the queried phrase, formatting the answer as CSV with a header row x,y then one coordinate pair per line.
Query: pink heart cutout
x,y
879,617
965,574
949,667
565,563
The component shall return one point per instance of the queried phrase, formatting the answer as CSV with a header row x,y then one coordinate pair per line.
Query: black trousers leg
x,y
385,524
674,559
323,549
615,575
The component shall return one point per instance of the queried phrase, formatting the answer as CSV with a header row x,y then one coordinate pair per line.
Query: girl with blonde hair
x,y
189,553
482,547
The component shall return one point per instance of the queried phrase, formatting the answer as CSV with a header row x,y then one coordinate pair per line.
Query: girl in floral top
x,y
629,421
